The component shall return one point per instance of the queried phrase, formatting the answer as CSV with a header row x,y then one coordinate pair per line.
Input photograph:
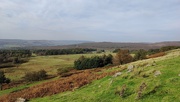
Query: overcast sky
x,y
92,20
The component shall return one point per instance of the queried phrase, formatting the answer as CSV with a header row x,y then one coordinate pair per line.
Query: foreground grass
x,y
162,88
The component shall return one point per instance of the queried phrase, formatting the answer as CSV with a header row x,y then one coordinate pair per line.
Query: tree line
x,y
62,51
93,62
9,58
122,56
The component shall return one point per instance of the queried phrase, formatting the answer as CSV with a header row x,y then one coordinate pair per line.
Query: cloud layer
x,y
95,20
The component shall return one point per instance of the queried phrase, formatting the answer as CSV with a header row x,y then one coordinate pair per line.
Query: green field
x,y
48,63
163,88
36,63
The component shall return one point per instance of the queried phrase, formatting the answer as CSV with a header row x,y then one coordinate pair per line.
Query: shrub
x,y
93,62
141,54
123,57
61,71
35,76
3,79
156,55
167,48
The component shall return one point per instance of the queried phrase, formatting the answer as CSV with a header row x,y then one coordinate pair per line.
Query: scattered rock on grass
x,y
117,74
111,82
156,73
130,68
21,100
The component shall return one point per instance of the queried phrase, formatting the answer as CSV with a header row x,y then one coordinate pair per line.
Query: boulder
x,y
21,100
117,74
130,68
153,64
156,73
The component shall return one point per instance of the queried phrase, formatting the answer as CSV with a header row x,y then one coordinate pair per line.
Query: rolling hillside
x,y
151,80
156,79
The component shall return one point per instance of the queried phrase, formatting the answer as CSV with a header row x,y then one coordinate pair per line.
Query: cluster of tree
x,y
116,50
143,54
63,51
35,76
140,55
100,51
11,57
153,51
3,79
122,57
167,48
93,62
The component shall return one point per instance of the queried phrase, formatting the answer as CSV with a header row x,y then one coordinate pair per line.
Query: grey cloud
x,y
84,19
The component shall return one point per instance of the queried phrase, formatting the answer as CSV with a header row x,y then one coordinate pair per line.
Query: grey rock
x,y
21,100
130,68
156,73
117,74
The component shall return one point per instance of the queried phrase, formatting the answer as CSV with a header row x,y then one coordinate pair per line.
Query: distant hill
x,y
61,44
115,45
11,43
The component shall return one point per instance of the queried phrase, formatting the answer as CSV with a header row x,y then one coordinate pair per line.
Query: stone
x,y
130,68
154,64
111,82
148,65
21,100
179,75
117,74
156,73
129,71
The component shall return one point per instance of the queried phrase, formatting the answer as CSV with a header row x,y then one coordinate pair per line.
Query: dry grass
x,y
156,55
70,83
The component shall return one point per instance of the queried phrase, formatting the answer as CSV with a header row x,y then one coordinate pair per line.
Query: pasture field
x,y
48,63
36,63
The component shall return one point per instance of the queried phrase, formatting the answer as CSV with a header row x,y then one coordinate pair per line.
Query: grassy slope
x,y
164,88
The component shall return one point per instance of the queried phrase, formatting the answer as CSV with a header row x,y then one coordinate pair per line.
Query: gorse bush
x,y
93,62
35,76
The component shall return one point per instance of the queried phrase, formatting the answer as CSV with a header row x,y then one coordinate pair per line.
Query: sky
x,y
91,20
